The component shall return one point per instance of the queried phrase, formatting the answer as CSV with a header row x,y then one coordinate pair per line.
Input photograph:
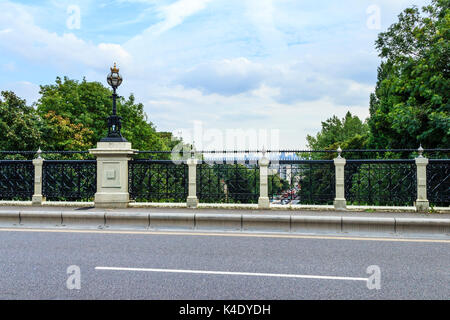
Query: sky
x,y
225,74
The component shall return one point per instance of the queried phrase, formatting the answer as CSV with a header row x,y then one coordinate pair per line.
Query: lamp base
x,y
114,139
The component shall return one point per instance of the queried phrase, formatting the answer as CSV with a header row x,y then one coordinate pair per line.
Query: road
x,y
182,265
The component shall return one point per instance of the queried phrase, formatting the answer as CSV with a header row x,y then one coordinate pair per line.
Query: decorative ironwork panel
x,y
302,182
228,183
438,183
381,182
16,179
69,180
157,181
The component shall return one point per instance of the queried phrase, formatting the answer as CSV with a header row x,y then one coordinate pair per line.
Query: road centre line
x,y
230,234
278,275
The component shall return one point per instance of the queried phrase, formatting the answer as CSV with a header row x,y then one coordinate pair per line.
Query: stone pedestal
x,y
192,201
339,202
112,174
263,201
37,198
422,204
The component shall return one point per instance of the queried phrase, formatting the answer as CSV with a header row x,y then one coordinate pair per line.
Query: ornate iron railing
x,y
69,180
16,179
230,182
438,182
157,181
302,182
381,182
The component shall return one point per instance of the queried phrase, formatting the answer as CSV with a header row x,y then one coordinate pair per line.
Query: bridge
x,y
117,177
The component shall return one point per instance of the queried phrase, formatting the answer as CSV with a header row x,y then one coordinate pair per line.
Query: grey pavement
x,y
33,265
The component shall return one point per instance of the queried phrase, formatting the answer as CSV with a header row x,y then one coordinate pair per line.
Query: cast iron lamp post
x,y
114,123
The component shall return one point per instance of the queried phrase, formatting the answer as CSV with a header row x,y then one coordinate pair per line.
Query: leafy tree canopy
x,y
410,104
348,133
84,107
18,124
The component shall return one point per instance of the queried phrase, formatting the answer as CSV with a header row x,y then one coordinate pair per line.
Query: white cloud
x,y
226,77
24,89
174,14
177,108
66,51
284,65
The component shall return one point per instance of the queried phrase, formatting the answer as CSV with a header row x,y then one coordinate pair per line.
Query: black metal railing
x,y
302,182
299,154
157,181
381,182
438,182
295,176
234,181
69,180
16,179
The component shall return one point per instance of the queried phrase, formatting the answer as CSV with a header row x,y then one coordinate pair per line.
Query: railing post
x,y
112,174
38,163
192,201
422,204
263,201
339,164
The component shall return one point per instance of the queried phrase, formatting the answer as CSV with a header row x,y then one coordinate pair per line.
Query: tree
x,y
19,129
89,104
348,133
410,105
58,133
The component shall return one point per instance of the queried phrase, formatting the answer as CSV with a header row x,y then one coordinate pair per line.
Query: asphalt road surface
x,y
69,264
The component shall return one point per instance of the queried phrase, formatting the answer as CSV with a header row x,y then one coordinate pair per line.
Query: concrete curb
x,y
412,225
9,217
361,224
123,220
172,220
83,219
271,223
225,222
228,222
231,206
38,218
316,224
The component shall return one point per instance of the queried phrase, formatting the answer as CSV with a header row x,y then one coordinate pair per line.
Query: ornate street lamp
x,y
114,123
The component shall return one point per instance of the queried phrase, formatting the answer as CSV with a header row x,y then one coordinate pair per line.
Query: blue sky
x,y
222,64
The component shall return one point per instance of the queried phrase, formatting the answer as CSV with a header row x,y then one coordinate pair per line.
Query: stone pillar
x,y
339,202
422,204
263,201
112,174
192,201
37,198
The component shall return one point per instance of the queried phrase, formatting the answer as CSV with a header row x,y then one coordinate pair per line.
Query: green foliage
x,y
89,104
210,186
228,183
64,135
410,104
317,184
18,124
347,133
381,184
277,185
159,183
